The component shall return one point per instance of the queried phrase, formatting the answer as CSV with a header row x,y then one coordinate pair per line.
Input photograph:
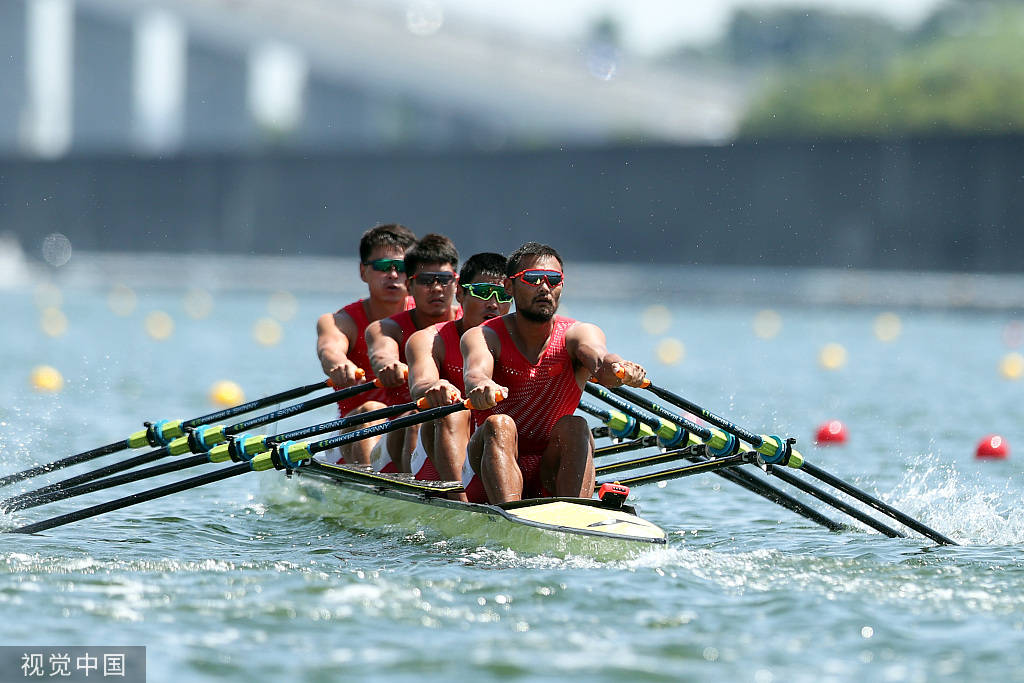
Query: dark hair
x,y
387,235
433,248
486,264
529,249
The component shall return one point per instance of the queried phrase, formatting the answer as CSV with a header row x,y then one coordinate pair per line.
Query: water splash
x,y
961,505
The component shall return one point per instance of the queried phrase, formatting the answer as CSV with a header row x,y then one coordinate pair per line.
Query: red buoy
x,y
832,431
992,446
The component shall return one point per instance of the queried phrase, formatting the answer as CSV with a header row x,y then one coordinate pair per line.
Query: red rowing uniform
x,y
358,354
451,368
400,394
539,394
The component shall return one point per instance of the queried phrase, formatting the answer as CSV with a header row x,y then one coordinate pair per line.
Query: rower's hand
x,y
620,372
393,374
486,396
345,375
441,394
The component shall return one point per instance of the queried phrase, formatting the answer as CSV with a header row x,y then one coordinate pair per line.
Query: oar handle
x,y
644,383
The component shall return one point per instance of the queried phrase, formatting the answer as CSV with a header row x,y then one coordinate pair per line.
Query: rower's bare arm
x,y
382,339
421,352
586,344
333,334
479,349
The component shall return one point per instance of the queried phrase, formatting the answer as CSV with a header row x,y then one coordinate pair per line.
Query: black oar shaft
x,y
877,504
385,427
642,442
134,499
714,465
255,405
13,502
91,487
780,497
118,446
837,483
345,422
699,430
837,503
753,439
115,447
744,479
598,412
296,409
648,461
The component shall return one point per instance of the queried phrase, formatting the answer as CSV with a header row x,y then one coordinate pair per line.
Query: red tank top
x,y
538,395
357,353
400,394
451,368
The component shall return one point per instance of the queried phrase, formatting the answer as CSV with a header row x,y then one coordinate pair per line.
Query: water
x,y
237,581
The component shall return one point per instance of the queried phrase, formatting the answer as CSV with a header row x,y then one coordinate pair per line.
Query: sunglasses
x,y
383,265
485,290
428,279
534,277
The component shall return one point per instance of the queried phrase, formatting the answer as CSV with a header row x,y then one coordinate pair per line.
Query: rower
x,y
535,363
431,268
340,344
435,368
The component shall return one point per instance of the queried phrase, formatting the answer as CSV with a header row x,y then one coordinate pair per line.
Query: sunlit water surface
x,y
239,581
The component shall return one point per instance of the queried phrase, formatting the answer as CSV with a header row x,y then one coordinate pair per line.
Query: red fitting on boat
x,y
613,494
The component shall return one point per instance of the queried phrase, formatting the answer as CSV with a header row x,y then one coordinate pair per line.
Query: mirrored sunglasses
x,y
383,265
534,277
428,279
485,290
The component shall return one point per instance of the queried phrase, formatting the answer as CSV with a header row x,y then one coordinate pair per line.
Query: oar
x,y
286,456
775,450
237,450
677,428
159,433
785,476
200,439
642,442
658,458
713,465
620,426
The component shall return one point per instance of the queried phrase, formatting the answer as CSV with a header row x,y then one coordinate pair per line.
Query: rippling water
x,y
241,581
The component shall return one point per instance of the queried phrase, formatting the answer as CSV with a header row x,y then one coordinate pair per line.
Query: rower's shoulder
x,y
333,323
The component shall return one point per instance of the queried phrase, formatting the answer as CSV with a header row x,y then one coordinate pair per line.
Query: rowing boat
x,y
553,526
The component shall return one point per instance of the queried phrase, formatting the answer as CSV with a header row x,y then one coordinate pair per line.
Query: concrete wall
x,y
937,204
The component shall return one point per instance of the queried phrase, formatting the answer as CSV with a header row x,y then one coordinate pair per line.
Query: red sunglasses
x,y
534,276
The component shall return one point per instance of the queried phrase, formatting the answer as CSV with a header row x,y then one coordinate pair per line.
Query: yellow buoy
x,y
226,393
767,324
1012,365
46,378
656,319
832,356
670,351
159,325
282,305
122,300
267,331
198,303
54,322
888,327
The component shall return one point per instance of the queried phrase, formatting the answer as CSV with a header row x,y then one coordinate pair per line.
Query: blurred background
x,y
855,135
